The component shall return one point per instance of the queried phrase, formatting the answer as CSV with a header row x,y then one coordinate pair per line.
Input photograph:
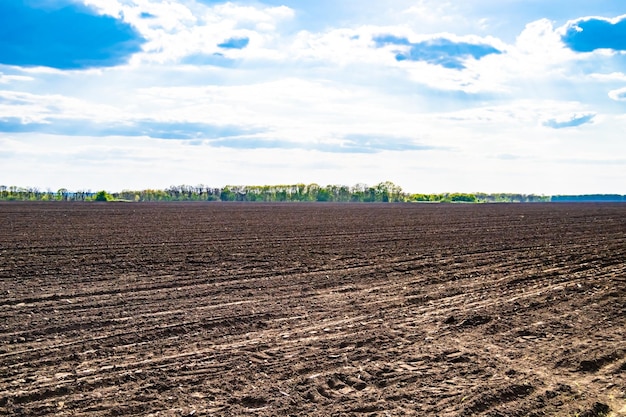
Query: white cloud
x,y
339,47
618,95
432,12
537,54
36,108
250,17
540,46
614,76
431,16
343,47
7,79
174,30
293,109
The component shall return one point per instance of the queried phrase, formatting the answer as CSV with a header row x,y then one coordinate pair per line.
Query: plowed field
x,y
312,309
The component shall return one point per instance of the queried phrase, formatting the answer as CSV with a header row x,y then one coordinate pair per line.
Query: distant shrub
x,y
102,196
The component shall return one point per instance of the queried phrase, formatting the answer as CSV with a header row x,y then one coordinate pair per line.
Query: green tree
x,y
323,195
463,198
102,196
227,195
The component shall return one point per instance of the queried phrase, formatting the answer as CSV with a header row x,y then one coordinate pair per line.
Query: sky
x,y
521,96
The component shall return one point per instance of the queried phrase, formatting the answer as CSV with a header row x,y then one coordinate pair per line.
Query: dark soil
x,y
312,309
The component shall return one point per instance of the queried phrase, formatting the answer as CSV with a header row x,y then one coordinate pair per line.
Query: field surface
x,y
312,309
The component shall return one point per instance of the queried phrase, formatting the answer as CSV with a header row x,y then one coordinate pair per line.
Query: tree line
x,y
14,193
590,198
384,192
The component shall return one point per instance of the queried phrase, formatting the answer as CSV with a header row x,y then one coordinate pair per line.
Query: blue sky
x,y
436,96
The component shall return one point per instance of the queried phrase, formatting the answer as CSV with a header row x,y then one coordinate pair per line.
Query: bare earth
x,y
312,309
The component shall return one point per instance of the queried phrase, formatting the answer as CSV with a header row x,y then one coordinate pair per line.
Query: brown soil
x,y
312,309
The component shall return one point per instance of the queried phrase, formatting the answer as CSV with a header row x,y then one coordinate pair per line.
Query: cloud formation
x,y
175,30
149,128
63,35
347,144
570,121
438,51
618,95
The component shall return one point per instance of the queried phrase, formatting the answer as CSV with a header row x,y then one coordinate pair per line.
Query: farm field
x,y
193,309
